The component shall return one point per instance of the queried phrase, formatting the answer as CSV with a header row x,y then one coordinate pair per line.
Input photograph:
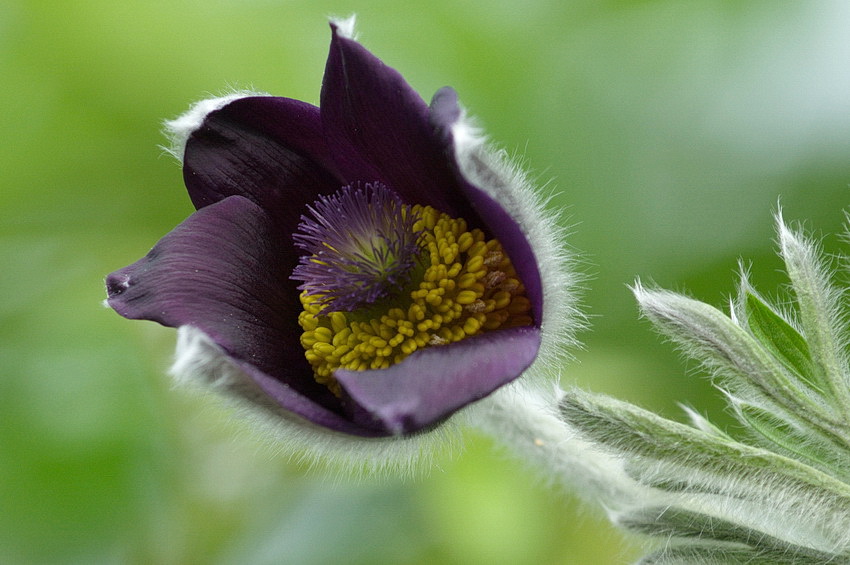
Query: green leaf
x,y
820,309
734,543
781,339
735,354
723,554
747,368
752,473
802,442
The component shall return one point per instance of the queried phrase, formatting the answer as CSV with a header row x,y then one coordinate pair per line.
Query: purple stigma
x,y
360,247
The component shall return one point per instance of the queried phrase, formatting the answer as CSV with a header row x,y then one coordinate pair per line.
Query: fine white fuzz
x,y
781,493
345,26
524,416
201,365
493,172
691,483
179,129
822,319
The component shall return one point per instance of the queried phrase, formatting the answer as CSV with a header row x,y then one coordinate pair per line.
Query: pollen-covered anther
x,y
437,340
493,257
463,286
494,279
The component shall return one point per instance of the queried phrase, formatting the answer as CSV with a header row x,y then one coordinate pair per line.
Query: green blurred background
x,y
670,129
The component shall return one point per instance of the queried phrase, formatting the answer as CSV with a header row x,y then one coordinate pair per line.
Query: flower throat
x,y
382,279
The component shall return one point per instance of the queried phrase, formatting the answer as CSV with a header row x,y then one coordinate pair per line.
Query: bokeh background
x,y
671,131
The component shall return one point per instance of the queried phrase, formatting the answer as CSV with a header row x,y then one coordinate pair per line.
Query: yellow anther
x,y
465,241
444,307
502,299
342,336
416,313
338,321
348,358
471,326
478,248
308,321
467,280
377,342
324,349
434,297
475,264
449,253
466,297
307,340
323,334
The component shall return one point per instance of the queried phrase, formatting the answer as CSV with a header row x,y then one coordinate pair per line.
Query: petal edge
x,y
435,382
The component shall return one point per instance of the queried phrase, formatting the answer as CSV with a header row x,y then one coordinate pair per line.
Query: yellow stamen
x,y
468,286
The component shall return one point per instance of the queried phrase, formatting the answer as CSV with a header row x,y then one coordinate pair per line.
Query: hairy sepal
x,y
493,172
202,366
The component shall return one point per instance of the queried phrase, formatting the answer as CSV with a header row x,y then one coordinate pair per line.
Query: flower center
x,y
361,246
451,283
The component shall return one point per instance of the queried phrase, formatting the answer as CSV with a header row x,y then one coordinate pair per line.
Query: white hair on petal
x,y
345,26
179,129
202,365
493,172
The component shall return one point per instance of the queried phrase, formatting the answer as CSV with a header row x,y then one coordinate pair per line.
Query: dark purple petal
x,y
268,149
287,398
225,272
435,382
445,112
378,129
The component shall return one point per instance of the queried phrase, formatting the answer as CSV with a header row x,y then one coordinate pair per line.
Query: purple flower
x,y
362,269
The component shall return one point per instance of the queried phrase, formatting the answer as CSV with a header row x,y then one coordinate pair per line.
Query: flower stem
x,y
526,420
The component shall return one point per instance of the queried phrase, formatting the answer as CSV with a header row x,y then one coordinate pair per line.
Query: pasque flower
x,y
362,269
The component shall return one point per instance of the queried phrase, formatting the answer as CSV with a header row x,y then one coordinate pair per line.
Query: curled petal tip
x,y
180,128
